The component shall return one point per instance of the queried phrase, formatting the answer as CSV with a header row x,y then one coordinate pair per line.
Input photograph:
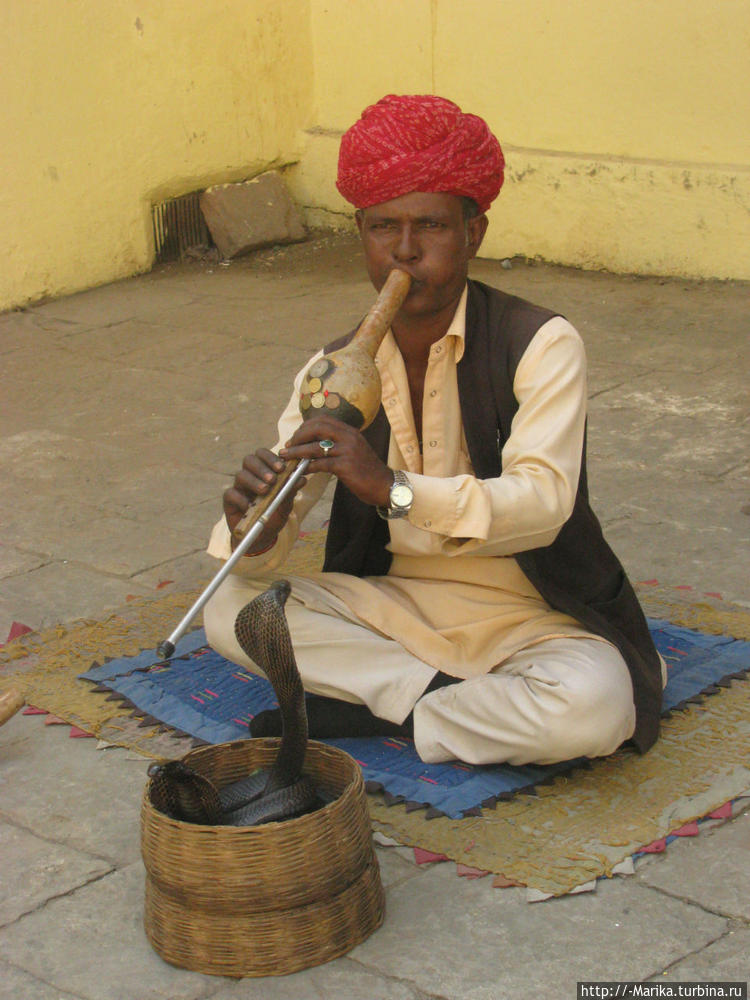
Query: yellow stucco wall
x,y
625,126
109,107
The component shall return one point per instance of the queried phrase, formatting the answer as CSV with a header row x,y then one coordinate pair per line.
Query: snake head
x,y
183,793
174,769
173,772
281,589
155,768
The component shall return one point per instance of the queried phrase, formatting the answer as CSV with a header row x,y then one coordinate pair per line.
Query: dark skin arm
x,y
351,459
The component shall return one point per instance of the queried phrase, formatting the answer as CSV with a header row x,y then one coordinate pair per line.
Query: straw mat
x,y
577,828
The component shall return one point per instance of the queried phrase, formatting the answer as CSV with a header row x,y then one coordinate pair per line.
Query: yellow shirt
x,y
454,596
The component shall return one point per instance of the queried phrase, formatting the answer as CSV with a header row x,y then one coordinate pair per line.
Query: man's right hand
x,y
256,477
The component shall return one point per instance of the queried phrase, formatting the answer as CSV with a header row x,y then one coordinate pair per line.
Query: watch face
x,y
401,496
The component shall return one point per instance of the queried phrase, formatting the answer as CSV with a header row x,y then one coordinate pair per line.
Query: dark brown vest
x,y
578,573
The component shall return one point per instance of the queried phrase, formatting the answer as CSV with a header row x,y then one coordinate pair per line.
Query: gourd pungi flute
x,y
344,384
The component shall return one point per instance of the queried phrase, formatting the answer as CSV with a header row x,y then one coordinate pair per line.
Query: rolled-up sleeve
x,y
528,503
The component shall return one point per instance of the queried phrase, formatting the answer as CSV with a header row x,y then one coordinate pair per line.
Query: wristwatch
x,y
400,498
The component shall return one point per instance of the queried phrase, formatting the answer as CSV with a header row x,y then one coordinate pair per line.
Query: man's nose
x,y
407,244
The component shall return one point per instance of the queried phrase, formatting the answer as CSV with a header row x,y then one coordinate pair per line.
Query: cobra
x,y
265,796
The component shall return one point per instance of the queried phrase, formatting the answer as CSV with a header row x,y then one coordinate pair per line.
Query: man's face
x,y
427,236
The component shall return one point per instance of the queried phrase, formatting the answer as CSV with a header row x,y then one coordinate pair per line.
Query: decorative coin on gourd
x,y
346,383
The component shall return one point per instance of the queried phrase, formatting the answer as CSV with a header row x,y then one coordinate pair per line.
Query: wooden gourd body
x,y
344,384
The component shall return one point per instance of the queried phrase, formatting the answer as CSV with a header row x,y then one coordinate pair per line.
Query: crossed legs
x,y
558,699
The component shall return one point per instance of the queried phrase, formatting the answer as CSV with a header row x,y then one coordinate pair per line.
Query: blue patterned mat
x,y
201,694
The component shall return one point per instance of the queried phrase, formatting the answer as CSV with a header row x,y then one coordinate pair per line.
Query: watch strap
x,y
394,511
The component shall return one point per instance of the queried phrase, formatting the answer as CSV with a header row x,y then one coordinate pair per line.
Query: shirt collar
x,y
456,330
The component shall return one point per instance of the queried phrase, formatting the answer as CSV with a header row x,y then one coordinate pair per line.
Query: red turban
x,y
421,143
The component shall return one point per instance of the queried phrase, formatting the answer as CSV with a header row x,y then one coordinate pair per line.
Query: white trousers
x,y
555,700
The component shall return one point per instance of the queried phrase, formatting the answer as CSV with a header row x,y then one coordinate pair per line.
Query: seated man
x,y
468,595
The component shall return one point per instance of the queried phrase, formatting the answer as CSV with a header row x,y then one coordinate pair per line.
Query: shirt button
x,y
433,444
409,448
433,393
438,350
428,524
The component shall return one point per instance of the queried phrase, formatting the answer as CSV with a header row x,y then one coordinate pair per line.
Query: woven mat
x,y
575,829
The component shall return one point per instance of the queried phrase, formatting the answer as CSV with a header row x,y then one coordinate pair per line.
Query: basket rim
x,y
317,747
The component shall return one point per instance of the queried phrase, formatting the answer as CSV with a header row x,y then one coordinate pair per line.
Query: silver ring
x,y
325,445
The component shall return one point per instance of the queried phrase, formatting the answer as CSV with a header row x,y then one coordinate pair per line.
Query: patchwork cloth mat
x,y
201,694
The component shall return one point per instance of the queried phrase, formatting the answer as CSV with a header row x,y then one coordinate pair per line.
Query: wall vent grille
x,y
178,226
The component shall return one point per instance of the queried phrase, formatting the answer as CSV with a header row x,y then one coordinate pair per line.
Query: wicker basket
x,y
270,899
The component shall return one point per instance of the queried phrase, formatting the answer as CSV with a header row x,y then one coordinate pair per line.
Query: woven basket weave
x,y
269,899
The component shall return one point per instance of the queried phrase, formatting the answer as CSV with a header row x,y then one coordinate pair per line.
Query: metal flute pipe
x,y
353,378
167,647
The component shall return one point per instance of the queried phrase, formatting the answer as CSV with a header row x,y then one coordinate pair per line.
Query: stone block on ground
x,y
253,214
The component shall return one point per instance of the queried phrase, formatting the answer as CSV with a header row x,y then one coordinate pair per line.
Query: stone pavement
x,y
124,412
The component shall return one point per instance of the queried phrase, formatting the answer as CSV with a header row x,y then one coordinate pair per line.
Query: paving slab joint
x,y
418,993
689,954
59,895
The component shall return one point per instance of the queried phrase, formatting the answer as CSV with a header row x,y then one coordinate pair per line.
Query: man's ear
x,y
475,230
